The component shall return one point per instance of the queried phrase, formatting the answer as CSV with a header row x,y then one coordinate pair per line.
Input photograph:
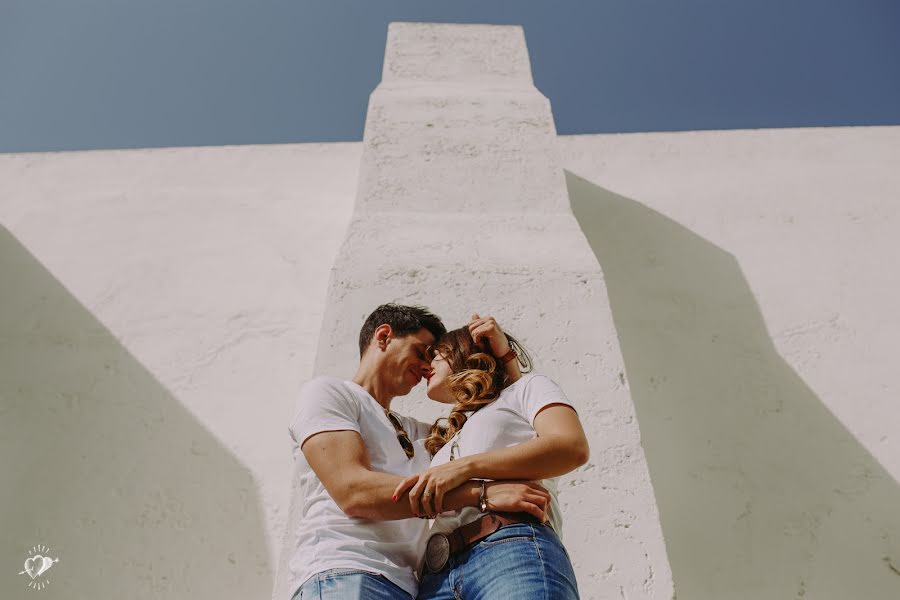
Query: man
x,y
355,540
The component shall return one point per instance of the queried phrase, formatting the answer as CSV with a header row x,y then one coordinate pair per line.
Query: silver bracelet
x,y
482,502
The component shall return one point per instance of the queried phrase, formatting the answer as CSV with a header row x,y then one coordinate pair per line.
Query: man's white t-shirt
x,y
508,421
326,537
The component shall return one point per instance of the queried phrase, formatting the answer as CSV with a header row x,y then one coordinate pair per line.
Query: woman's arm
x,y
560,446
341,461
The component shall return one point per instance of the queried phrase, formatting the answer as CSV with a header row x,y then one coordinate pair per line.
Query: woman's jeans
x,y
521,561
349,584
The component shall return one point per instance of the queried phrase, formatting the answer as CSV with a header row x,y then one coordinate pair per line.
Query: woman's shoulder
x,y
531,379
533,387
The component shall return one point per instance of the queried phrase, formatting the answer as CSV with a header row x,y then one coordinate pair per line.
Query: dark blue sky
x,y
81,74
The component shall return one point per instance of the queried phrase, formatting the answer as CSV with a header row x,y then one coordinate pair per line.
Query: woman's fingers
x,y
476,331
484,329
415,496
438,499
426,497
403,486
477,322
488,329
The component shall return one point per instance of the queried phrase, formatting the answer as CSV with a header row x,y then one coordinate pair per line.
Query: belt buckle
x,y
437,553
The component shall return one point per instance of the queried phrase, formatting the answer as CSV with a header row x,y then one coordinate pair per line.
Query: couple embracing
x,y
394,508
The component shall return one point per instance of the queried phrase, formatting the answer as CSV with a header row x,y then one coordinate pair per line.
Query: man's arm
x,y
342,463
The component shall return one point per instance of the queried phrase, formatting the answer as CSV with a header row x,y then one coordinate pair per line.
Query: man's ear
x,y
383,335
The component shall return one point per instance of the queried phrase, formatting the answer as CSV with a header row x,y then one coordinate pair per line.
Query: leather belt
x,y
441,546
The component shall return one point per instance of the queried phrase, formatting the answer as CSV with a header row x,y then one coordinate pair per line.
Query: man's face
x,y
407,359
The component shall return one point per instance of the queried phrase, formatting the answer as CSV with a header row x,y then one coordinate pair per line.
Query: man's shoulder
x,y
325,386
324,381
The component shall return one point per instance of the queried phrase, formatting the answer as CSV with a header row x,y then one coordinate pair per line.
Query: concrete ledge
x,y
477,55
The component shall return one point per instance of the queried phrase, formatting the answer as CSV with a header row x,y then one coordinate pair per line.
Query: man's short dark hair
x,y
404,320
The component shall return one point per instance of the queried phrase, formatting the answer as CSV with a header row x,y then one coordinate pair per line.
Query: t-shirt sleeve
x,y
539,392
323,405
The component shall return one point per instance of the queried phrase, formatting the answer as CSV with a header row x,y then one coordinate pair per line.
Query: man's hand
x,y
502,496
518,496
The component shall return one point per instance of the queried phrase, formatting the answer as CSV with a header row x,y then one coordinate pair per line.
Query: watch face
x,y
437,552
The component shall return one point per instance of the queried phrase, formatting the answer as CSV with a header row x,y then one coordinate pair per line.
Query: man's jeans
x,y
349,584
520,561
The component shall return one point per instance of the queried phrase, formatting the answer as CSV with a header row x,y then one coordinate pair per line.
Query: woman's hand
x,y
502,496
488,329
427,489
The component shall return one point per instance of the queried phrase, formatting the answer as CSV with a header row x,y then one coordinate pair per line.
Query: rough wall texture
x,y
462,205
752,282
159,309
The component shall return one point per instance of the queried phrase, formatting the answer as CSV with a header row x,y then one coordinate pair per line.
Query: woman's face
x,y
437,380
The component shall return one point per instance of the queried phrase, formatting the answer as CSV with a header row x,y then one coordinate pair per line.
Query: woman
x,y
503,425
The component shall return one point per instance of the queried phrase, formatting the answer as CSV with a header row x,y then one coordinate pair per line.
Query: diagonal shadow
x,y
762,492
103,465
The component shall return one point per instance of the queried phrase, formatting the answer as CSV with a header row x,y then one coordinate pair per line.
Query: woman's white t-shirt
x,y
508,421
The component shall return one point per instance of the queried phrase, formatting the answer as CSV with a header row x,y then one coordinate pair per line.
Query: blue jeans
x,y
521,561
349,584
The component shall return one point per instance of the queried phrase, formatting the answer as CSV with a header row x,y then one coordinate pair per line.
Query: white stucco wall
x,y
159,308
208,266
752,281
462,206
158,311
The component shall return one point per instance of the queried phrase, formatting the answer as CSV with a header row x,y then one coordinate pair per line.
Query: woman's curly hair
x,y
476,379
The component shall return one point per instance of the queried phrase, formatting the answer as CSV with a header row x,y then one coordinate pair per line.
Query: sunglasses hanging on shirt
x,y
402,436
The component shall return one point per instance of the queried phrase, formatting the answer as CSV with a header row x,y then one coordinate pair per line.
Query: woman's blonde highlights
x,y
476,380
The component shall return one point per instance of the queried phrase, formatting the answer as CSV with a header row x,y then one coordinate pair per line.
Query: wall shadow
x,y
762,492
103,465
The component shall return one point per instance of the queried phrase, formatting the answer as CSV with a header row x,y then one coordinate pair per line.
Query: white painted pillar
x,y
462,206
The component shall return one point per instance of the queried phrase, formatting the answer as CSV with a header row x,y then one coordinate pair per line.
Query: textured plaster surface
x,y
158,311
457,126
753,282
462,206
160,308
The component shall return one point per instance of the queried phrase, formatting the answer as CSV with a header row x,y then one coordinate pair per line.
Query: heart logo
x,y
48,562
30,563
